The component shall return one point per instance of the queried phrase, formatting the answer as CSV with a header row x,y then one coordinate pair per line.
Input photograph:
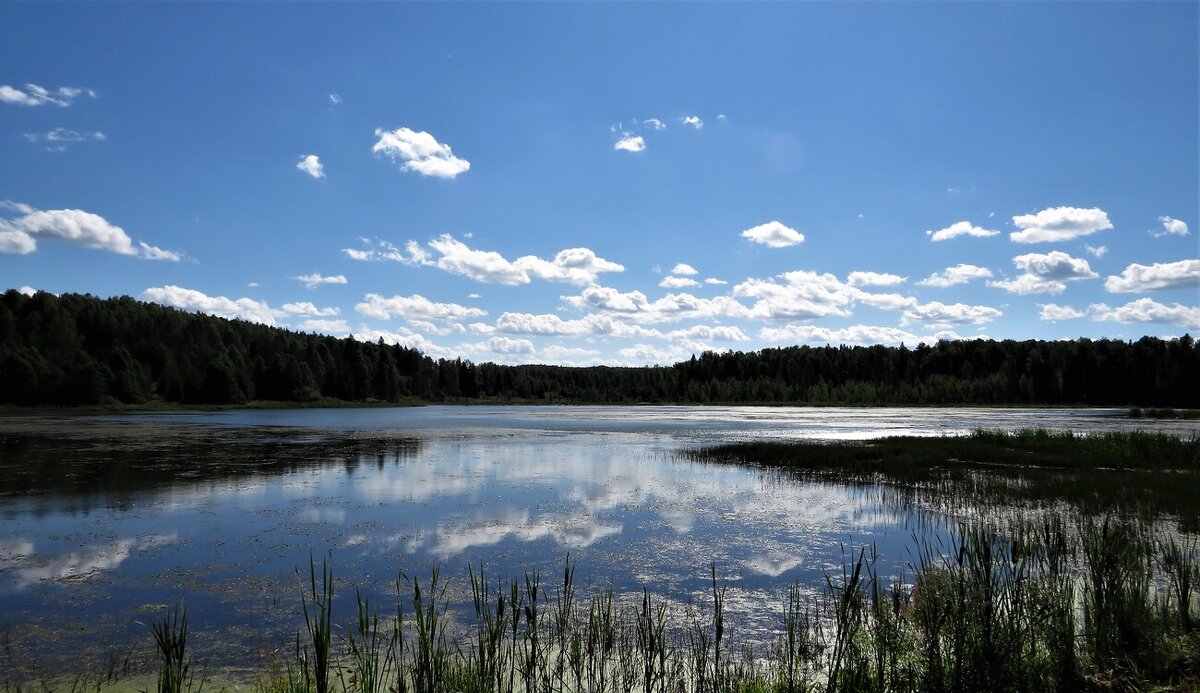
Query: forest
x,y
79,350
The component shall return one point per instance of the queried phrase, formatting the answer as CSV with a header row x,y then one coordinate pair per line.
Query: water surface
x,y
105,520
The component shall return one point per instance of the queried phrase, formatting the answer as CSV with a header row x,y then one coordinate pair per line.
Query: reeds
x,y
170,637
1052,604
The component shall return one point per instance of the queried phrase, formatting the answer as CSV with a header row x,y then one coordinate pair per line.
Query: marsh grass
x,y
1060,603
170,637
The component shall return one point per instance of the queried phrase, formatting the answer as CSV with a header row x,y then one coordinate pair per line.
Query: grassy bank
x,y
1149,474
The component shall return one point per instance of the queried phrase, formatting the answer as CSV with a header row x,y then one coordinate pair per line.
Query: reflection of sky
x,y
627,513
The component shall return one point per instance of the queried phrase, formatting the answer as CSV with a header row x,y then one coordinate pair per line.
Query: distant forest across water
x,y
75,350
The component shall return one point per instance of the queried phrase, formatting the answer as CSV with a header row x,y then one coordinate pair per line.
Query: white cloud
x,y
630,143
548,324
335,99
720,333
960,228
1136,278
886,301
1148,310
316,279
774,235
356,254
61,137
75,226
27,290
337,328
311,164
572,266
1096,251
713,281
674,282
33,95
420,152
855,334
654,124
721,116
1059,224
1045,273
414,307
558,352
953,276
801,295
1052,312
16,241
507,345
937,313
310,309
684,270
191,299
694,121
1172,226
150,252
874,279
473,295
672,307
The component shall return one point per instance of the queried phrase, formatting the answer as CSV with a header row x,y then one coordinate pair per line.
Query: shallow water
x,y
104,520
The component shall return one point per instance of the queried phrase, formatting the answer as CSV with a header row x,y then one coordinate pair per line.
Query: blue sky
x,y
612,183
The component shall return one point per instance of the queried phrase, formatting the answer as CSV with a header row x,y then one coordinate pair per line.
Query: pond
x,y
104,521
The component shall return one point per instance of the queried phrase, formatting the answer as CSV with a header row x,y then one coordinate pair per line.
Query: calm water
x,y
104,520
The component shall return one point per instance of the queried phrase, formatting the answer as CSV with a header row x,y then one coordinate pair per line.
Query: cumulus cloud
x,y
960,228
953,276
310,309
193,300
684,270
654,124
713,281
571,266
311,164
1148,310
692,120
874,279
801,294
774,235
1184,274
420,152
1052,312
855,334
415,307
673,282
337,328
335,99
1059,224
508,345
1172,227
672,307
1096,251
1045,273
316,279
548,324
937,313
27,290
630,143
33,95
21,234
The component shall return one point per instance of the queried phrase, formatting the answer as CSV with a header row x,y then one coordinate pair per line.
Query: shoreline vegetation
x,y
1073,565
81,351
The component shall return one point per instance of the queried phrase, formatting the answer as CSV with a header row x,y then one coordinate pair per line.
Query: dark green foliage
x,y
80,350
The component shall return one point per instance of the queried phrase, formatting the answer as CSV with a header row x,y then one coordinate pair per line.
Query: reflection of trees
x,y
44,472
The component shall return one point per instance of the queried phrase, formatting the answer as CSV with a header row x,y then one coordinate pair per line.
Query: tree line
x,y
77,349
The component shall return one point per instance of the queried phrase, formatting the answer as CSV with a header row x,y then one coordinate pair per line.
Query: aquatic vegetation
x,y
170,636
